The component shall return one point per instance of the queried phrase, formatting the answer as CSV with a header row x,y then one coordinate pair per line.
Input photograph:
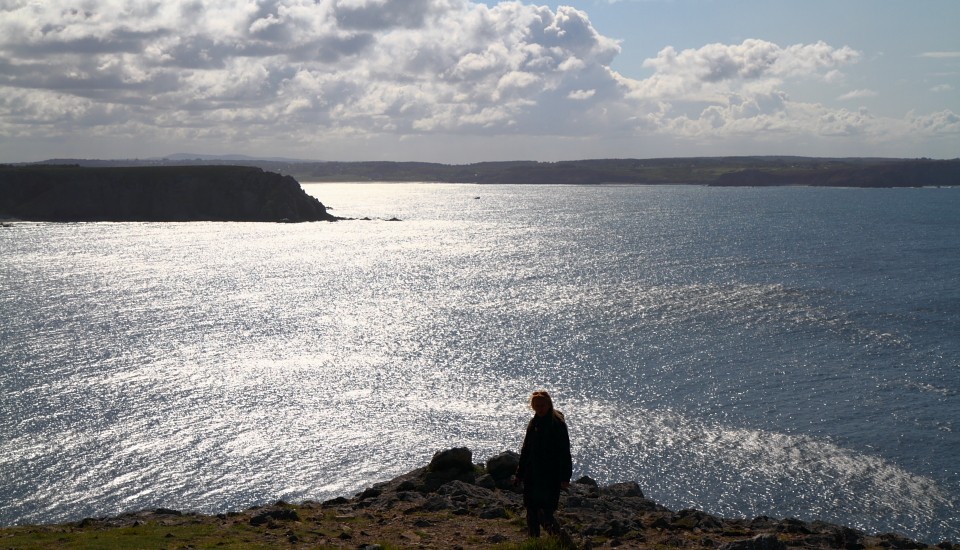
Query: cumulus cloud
x,y
715,69
315,72
942,123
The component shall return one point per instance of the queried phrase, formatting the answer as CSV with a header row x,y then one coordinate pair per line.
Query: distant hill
x,y
179,157
716,171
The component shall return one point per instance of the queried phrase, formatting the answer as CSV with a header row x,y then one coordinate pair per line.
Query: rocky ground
x,y
453,503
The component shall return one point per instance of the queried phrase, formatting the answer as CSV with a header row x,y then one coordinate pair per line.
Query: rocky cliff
x,y
163,193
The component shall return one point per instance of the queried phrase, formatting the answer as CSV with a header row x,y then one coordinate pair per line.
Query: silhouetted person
x,y
545,464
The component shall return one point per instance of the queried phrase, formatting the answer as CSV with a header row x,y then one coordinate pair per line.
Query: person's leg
x,y
533,521
548,521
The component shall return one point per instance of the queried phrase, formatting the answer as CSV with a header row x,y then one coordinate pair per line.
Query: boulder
x,y
446,466
504,465
272,515
587,480
459,459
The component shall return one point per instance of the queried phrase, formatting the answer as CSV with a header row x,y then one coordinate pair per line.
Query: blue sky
x,y
893,37
463,81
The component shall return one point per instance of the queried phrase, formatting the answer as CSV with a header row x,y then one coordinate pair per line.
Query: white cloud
x,y
857,94
941,55
940,88
581,94
319,73
717,68
942,123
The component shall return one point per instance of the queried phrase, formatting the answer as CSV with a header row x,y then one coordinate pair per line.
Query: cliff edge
x,y
451,504
156,194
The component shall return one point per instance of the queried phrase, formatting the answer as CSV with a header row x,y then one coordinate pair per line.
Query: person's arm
x,y
524,456
566,460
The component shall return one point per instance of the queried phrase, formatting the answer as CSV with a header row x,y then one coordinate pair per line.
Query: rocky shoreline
x,y
453,503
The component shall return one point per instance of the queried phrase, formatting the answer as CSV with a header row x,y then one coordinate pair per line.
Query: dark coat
x,y
545,460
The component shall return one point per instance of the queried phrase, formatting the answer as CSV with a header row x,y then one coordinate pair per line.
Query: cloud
x,y
717,68
374,15
940,88
941,55
318,74
581,94
942,123
857,94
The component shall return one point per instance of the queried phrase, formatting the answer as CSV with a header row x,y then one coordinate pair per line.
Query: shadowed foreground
x,y
449,504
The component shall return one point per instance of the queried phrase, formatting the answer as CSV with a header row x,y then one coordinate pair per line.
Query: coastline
x,y
453,503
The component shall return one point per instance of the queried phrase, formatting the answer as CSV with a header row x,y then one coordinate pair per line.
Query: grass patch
x,y
542,543
147,536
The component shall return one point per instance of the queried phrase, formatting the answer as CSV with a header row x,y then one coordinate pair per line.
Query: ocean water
x,y
787,352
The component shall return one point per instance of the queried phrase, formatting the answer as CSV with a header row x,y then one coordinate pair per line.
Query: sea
x,y
787,352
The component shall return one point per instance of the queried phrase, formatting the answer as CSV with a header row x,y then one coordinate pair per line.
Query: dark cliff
x,y
161,193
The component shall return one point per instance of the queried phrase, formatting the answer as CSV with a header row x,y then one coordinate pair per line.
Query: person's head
x,y
541,403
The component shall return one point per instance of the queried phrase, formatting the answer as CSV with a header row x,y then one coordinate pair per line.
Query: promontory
x,y
58,193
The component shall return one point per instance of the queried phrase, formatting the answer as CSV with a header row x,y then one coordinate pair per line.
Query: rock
x,y
614,528
372,492
446,466
504,465
279,515
487,482
627,489
461,490
459,459
436,503
763,522
693,519
893,540
586,480
792,525
759,542
494,512
822,534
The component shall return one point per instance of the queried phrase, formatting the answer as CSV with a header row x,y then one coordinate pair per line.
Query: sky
x,y
460,81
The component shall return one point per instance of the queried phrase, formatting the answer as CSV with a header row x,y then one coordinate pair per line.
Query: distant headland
x,y
714,171
180,188
68,193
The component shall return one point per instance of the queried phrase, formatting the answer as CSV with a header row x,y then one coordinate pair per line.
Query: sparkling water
x,y
791,352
